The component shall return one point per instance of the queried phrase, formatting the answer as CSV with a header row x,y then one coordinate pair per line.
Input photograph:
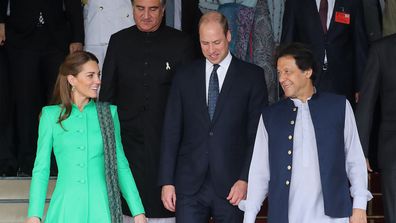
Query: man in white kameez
x,y
307,156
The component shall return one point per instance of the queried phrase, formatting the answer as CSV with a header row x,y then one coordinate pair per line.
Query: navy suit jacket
x,y
345,44
193,145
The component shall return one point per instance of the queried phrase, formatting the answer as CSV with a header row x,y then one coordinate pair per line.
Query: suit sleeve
x,y
171,135
74,14
288,27
368,98
41,170
258,100
109,73
188,51
3,10
126,181
361,43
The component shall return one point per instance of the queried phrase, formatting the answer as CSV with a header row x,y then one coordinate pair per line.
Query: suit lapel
x,y
336,6
225,89
317,21
201,83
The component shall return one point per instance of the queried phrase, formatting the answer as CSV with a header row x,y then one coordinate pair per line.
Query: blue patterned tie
x,y
213,92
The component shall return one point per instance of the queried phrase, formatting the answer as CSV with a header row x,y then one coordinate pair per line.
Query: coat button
x,y
81,148
292,122
288,167
101,7
294,109
287,183
289,152
290,137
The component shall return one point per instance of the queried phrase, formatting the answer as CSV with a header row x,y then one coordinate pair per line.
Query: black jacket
x,y
63,21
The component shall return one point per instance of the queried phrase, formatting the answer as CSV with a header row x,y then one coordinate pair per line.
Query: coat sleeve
x,y
361,43
109,73
258,99
288,27
3,10
74,14
368,98
41,170
171,135
126,181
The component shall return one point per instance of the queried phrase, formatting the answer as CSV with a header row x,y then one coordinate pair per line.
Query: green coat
x,y
80,194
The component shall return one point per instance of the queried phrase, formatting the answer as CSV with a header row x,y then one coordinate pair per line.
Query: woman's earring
x,y
73,88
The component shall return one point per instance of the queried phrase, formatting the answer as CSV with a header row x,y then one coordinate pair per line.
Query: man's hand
x,y
237,192
73,47
168,197
2,34
33,220
358,216
141,218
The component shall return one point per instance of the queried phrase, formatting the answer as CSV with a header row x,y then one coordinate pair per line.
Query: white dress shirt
x,y
330,9
306,203
221,72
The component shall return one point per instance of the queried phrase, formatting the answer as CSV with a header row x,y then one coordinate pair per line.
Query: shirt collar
x,y
297,101
225,63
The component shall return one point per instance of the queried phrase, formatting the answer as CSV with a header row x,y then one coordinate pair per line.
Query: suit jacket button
x,y
288,167
290,137
289,152
294,109
287,183
292,122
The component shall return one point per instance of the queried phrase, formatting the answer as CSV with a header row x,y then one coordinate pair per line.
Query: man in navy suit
x,y
209,130
335,32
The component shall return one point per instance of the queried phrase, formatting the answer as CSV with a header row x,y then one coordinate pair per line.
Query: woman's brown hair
x,y
72,65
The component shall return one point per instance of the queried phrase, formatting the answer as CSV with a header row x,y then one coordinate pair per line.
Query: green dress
x,y
80,194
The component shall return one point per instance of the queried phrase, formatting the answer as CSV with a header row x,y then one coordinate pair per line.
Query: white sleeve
x,y
259,176
355,162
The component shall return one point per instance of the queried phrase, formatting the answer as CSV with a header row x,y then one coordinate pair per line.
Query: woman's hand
x,y
33,220
141,218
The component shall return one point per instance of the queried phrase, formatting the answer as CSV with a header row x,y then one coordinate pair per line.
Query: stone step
x,y
14,212
14,198
18,188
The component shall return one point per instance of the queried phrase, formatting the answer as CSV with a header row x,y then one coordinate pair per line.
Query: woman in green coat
x,y
89,178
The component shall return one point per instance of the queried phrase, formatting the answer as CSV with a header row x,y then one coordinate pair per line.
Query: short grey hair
x,y
163,2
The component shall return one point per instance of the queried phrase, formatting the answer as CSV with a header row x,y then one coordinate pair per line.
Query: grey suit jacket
x,y
379,85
